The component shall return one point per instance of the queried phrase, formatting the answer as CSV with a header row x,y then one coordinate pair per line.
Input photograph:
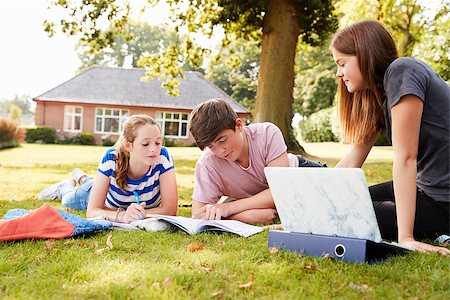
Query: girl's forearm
x,y
103,213
404,175
170,210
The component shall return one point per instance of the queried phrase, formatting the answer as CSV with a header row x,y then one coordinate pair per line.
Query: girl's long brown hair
x,y
128,134
361,113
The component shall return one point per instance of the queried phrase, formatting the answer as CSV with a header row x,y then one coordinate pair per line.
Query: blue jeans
x,y
304,162
76,198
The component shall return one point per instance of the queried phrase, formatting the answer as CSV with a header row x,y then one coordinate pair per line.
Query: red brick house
x,y
100,99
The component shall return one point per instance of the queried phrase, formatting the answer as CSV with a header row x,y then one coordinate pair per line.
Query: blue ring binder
x,y
342,248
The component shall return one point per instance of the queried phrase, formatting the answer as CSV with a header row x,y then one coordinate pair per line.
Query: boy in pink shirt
x,y
233,164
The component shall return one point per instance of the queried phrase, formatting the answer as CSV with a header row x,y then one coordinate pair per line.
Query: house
x,y
100,99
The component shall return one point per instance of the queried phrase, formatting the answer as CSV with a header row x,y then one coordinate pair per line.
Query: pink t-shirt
x,y
216,177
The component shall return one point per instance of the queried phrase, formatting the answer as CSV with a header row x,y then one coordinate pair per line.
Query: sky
x,y
31,63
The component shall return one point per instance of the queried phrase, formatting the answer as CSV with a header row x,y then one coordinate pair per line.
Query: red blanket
x,y
44,222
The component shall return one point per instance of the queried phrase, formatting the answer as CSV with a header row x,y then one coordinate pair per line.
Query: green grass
x,y
143,265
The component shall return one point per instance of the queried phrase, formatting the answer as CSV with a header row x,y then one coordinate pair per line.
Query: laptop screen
x,y
327,201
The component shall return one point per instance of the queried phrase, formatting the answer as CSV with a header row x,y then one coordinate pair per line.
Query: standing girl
x,y
134,178
411,104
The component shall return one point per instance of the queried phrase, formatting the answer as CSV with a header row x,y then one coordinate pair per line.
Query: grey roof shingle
x,y
116,86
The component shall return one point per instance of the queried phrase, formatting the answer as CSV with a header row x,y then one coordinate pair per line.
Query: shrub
x,y
87,138
41,134
169,142
83,138
318,127
323,126
21,134
108,142
66,140
8,134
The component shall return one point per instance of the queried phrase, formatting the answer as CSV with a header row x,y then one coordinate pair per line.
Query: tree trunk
x,y
274,97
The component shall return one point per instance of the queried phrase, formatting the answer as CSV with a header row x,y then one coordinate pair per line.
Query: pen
x,y
136,196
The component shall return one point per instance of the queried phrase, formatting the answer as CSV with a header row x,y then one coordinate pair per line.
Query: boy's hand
x,y
213,212
222,211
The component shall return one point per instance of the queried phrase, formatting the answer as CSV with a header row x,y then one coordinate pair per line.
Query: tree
x,y
277,23
404,22
15,113
418,32
138,39
315,80
283,23
434,46
403,18
23,102
235,71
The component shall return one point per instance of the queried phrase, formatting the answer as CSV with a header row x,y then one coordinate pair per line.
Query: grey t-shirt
x,y
407,76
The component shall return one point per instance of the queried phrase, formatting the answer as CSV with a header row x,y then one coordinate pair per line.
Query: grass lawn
x,y
143,265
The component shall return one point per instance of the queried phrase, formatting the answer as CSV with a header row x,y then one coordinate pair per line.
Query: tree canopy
x,y
235,70
137,40
277,24
274,57
417,30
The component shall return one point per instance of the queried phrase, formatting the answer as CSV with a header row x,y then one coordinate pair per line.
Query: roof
x,y
117,86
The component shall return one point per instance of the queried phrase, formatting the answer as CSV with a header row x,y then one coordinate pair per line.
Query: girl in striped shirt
x,y
134,178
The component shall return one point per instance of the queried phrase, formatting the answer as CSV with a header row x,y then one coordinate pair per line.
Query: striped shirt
x,y
147,186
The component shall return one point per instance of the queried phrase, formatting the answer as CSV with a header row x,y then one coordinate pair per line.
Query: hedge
x,y
42,135
318,127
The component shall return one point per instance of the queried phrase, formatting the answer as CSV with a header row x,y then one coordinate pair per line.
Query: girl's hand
x,y
424,247
134,212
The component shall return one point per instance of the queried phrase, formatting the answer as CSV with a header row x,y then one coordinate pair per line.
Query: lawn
x,y
144,265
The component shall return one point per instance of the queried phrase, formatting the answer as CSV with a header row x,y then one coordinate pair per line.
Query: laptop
x,y
324,201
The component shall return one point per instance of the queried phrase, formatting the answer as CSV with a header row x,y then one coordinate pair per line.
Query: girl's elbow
x,y
409,159
402,167
171,209
175,208
90,213
174,211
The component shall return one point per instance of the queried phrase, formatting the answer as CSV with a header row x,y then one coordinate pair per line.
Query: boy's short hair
x,y
209,118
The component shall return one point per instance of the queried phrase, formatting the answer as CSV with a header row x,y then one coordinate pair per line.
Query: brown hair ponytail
x,y
122,163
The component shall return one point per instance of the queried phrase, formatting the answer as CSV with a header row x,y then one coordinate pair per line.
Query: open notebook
x,y
154,222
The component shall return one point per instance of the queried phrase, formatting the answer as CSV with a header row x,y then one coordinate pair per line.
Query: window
x,y
110,120
72,118
173,124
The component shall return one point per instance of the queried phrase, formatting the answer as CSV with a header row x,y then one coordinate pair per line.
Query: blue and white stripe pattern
x,y
147,187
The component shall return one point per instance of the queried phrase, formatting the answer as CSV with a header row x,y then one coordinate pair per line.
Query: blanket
x,y
46,222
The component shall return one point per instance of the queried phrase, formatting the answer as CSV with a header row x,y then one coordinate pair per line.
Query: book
x,y
124,226
194,226
154,222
